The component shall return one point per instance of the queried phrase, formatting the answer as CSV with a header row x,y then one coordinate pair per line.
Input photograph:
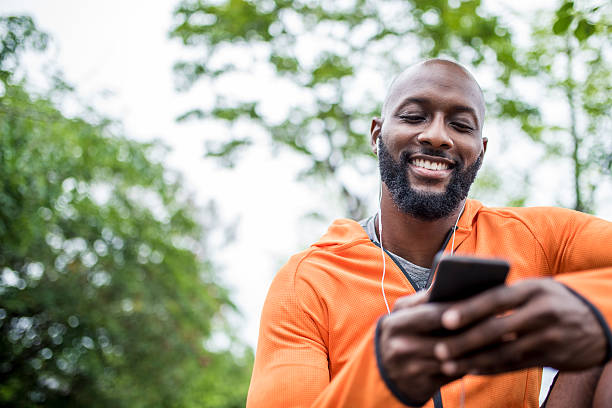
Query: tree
x,y
573,64
334,59
108,296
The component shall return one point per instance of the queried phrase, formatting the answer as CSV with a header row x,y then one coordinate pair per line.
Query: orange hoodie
x,y
316,343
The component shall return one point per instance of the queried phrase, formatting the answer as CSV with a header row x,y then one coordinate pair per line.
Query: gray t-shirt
x,y
418,275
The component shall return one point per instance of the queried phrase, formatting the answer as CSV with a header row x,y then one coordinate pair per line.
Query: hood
x,y
343,230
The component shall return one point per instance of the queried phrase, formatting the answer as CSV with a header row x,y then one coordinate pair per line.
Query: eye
x,y
462,127
412,118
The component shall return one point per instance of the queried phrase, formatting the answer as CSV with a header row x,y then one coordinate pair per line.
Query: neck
x,y
413,239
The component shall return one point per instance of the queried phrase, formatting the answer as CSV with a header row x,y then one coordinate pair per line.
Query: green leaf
x,y
562,24
584,30
227,148
566,8
285,64
192,114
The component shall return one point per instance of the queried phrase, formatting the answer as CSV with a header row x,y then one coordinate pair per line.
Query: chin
x,y
430,189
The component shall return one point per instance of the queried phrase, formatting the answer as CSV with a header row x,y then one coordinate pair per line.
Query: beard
x,y
426,206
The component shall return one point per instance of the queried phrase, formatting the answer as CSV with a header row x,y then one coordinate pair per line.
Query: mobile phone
x,y
460,277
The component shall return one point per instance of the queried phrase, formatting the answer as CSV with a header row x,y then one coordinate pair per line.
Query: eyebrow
x,y
457,108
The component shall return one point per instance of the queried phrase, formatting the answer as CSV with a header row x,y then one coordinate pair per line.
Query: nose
x,y
436,134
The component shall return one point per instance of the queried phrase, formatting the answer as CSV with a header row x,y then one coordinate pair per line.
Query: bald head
x,y
438,76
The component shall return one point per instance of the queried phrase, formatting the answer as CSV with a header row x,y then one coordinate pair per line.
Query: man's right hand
x,y
406,347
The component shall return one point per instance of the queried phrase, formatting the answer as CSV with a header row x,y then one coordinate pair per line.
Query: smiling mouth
x,y
429,164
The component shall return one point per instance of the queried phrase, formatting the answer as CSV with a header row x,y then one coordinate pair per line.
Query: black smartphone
x,y
460,277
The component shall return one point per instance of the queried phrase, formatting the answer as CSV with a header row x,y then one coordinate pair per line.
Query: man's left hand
x,y
536,322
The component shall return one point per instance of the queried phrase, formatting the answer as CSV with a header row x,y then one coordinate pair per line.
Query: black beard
x,y
424,206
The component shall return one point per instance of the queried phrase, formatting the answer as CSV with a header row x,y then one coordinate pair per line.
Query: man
x,y
326,338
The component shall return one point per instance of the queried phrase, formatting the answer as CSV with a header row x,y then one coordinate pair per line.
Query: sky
x,y
118,55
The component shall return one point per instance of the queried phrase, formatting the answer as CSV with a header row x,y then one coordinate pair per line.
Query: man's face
x,y
424,205
431,139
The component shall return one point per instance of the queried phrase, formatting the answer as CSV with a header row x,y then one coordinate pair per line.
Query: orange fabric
x,y
316,339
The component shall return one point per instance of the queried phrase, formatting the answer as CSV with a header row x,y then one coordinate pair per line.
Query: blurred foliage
x,y
18,33
108,297
573,65
339,54
337,58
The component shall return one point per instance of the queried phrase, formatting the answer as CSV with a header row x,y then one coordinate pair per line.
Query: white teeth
x,y
426,164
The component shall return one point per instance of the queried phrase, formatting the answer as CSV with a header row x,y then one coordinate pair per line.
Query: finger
x,y
422,318
397,351
405,302
490,331
488,303
524,352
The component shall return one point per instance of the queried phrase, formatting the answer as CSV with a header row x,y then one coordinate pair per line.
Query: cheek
x,y
470,150
390,139
396,137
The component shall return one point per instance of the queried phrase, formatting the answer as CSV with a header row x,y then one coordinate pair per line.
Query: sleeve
x,y
579,253
291,362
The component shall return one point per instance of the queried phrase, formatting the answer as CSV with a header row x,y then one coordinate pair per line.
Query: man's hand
x,y
407,347
536,322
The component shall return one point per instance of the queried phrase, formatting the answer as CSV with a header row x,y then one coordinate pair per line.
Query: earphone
x,y
380,234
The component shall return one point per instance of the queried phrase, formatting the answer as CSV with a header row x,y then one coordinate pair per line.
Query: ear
x,y
484,145
375,129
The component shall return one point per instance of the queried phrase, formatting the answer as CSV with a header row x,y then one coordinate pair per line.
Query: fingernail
x,y
441,351
449,367
450,319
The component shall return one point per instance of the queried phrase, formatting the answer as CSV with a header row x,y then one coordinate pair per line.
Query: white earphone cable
x,y
382,251
452,251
